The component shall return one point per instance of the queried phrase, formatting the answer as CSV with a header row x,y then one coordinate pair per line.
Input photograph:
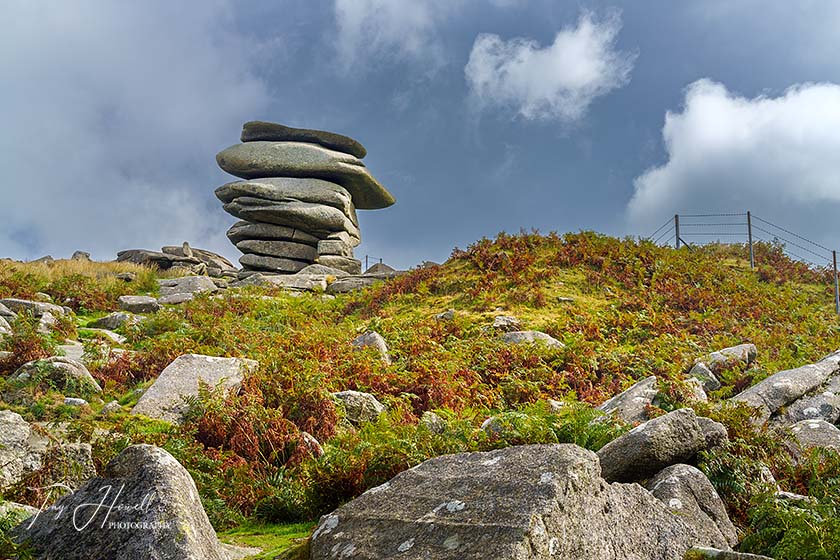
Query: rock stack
x,y
297,203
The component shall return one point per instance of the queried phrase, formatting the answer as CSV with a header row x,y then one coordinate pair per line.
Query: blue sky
x,y
479,116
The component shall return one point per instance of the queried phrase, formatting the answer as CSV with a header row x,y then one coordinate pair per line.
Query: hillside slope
x,y
623,309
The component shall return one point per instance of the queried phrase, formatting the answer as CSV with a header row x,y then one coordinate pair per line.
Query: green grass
x,y
272,539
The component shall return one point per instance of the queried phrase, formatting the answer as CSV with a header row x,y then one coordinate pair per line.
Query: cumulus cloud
x,y
113,115
777,156
373,30
555,82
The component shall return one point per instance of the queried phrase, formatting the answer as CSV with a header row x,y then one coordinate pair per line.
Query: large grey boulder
x,y
67,375
372,339
631,405
282,189
530,337
320,269
274,132
5,327
809,434
534,502
823,403
253,160
674,438
21,448
335,247
151,510
359,407
243,230
786,386
687,492
138,304
164,399
276,248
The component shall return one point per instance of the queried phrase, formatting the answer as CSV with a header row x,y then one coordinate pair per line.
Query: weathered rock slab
x,y
259,159
535,502
164,399
258,230
274,132
282,249
631,405
271,264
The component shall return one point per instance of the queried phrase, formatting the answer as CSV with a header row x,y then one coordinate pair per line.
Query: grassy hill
x,y
623,309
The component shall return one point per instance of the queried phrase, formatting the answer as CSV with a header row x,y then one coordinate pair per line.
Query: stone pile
x,y
298,198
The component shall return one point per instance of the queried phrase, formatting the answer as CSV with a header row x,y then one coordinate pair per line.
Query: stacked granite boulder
x,y
298,198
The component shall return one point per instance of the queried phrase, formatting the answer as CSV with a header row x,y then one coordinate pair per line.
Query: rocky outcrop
x,y
469,506
151,509
631,405
788,386
184,258
21,448
165,398
674,438
298,199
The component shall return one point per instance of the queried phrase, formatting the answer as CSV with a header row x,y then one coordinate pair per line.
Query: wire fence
x,y
685,230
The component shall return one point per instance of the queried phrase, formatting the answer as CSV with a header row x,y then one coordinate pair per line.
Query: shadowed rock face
x,y
527,503
156,514
260,130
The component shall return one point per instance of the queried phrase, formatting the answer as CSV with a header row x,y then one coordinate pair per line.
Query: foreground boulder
x,y
687,492
528,502
674,438
631,405
151,510
116,320
165,399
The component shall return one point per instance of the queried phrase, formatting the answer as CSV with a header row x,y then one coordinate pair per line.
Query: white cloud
x,y
113,115
556,82
777,156
372,30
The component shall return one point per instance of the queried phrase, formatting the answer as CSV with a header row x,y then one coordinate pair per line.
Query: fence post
x,y
749,236
366,262
836,286
677,229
